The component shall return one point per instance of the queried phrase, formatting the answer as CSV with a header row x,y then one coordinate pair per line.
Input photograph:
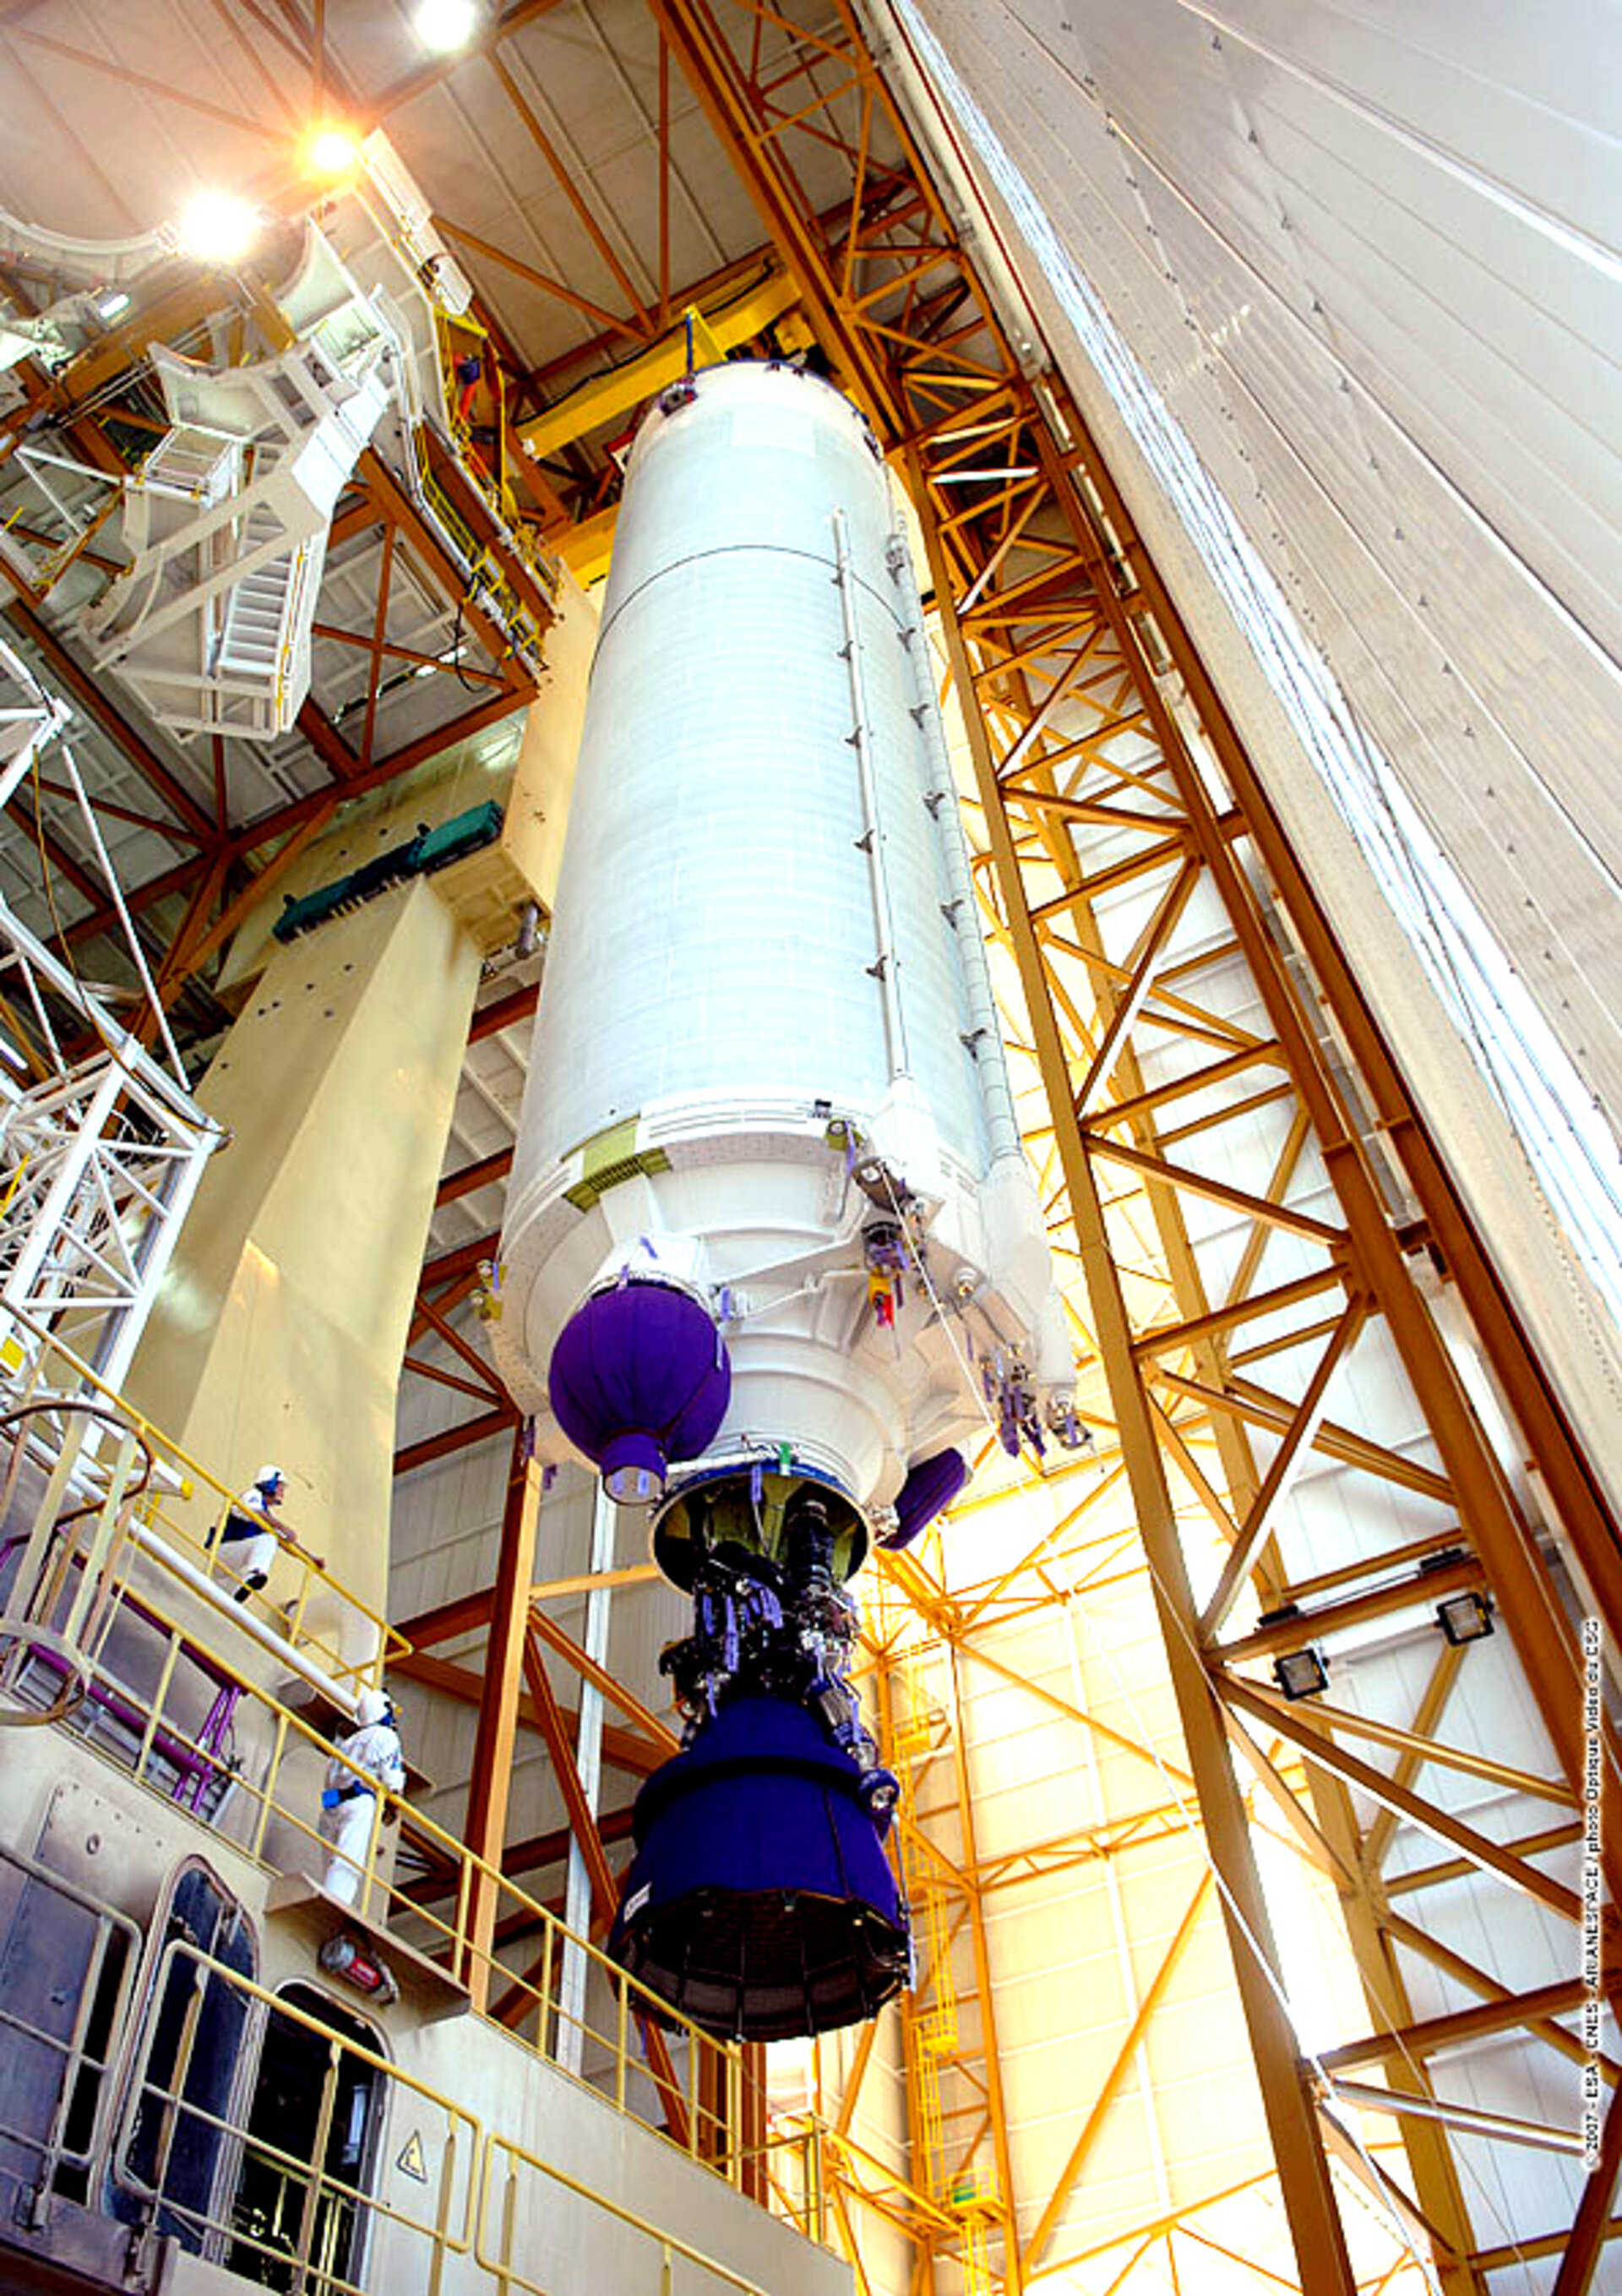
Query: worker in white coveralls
x,y
370,1755
253,1531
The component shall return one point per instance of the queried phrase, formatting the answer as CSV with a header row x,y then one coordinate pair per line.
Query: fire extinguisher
x,y
359,1966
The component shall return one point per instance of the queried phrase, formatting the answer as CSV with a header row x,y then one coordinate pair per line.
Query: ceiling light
x,y
114,305
1301,1674
1466,1618
217,227
333,152
446,25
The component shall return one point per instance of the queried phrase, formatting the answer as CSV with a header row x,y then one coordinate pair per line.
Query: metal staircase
x,y
210,626
264,631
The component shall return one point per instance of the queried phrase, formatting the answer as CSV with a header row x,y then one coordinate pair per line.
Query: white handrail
x,y
240,1615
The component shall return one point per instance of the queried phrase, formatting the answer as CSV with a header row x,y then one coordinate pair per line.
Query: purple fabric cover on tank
x,y
639,1370
634,1451
929,1487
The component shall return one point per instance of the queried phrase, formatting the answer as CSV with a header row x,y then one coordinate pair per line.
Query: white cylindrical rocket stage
x,y
771,1249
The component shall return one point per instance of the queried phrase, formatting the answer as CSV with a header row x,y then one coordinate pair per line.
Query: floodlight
x,y
1466,1618
333,152
446,25
217,228
1302,1673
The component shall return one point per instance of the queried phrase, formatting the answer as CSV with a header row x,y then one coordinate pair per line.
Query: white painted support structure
x,y
99,1163
226,522
588,1761
100,1158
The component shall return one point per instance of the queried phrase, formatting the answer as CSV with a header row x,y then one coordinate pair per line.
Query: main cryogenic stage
x,y
773,1251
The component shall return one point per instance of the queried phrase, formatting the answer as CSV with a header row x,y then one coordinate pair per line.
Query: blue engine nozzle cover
x,y
760,1903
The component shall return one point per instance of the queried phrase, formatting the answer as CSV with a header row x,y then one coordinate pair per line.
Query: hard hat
x,y
267,1476
375,1706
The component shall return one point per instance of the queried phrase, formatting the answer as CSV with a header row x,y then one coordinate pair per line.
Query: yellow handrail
x,y
277,1735
447,2238
194,1476
508,2274
479,2170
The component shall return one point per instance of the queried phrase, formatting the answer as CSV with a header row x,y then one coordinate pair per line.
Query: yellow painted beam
x,y
585,548
625,386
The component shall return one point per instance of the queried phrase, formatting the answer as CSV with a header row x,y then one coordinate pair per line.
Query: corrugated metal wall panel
x,y
1069,1967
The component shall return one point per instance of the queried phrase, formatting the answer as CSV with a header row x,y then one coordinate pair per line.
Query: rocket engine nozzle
x,y
760,1902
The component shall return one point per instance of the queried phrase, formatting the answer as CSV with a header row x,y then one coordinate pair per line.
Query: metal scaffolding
x,y
101,1146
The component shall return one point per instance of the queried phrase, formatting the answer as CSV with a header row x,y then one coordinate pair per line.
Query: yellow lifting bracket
x,y
714,334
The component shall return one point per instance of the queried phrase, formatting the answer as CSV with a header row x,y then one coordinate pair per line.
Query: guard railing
x,y
116,1622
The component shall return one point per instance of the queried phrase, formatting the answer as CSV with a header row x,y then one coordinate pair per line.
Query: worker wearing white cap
x,y
254,1531
370,1755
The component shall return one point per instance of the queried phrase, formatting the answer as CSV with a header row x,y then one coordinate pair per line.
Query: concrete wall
x,y
279,1330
